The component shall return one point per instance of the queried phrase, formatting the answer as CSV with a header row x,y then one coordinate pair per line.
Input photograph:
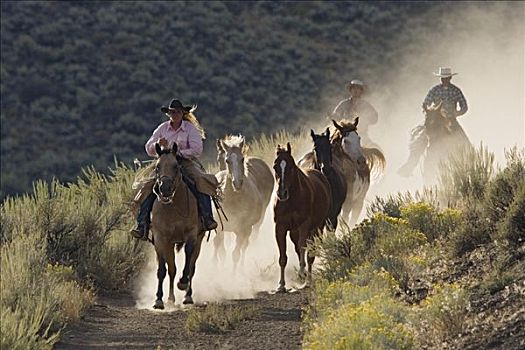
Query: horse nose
x,y
361,160
165,187
237,184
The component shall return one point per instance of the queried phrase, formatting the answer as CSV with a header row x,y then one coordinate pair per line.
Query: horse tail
x,y
376,162
179,246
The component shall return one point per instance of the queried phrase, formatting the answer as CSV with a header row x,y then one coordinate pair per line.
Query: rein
x,y
155,190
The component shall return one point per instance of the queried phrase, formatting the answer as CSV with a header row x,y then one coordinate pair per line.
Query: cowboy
x,y
356,106
450,97
184,129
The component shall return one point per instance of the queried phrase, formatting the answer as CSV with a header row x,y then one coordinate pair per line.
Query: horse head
x,y
349,140
437,124
284,166
234,153
167,173
322,149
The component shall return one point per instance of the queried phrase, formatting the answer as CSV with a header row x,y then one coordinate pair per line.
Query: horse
x,y
444,136
301,206
357,164
247,185
321,159
175,223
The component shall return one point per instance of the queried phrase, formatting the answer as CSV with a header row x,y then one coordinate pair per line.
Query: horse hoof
x,y
159,305
182,286
187,300
281,289
171,300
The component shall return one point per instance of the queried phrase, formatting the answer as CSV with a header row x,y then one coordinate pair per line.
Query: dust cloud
x,y
484,43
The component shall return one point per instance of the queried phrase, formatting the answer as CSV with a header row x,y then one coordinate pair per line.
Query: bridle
x,y
160,180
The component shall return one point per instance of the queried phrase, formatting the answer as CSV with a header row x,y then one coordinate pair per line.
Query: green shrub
x,y
376,323
442,314
473,230
37,299
465,175
512,226
428,220
217,318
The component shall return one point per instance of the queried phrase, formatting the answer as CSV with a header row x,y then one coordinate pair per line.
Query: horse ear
x,y
219,145
288,148
158,149
175,148
337,126
312,134
328,132
356,121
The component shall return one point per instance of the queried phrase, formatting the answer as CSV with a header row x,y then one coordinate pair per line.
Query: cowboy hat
x,y
355,82
174,106
444,72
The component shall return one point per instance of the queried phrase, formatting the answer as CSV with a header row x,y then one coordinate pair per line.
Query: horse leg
x,y
242,238
161,273
280,236
188,251
356,210
193,260
301,252
172,270
347,206
218,242
311,259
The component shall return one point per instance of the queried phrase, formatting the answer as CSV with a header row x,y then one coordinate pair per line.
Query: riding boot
x,y
141,231
205,208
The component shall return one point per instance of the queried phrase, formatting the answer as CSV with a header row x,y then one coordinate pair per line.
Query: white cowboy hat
x,y
444,72
356,82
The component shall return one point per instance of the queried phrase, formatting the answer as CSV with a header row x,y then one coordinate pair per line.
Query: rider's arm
x,y
339,109
194,144
463,107
150,145
431,97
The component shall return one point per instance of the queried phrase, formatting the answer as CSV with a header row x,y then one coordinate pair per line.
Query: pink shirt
x,y
187,137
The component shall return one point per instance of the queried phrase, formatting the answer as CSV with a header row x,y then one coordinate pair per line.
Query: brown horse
x,y
247,185
175,222
301,207
444,136
357,163
321,159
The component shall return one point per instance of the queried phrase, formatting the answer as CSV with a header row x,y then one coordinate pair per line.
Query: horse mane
x,y
236,141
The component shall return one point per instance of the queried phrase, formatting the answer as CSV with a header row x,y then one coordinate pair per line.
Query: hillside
x,y
82,82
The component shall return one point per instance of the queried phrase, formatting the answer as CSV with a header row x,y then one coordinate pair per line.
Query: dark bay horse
x,y
247,184
301,206
357,163
445,135
321,159
175,222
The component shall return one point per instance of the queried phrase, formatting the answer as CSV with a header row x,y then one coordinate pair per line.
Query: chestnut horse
x,y
321,159
301,206
175,222
247,185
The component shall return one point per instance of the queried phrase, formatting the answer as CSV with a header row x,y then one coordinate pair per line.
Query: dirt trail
x,y
115,323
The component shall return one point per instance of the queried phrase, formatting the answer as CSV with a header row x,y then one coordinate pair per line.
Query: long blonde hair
x,y
190,117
